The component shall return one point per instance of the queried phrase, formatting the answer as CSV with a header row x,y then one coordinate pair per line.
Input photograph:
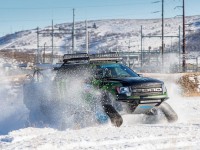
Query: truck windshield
x,y
118,70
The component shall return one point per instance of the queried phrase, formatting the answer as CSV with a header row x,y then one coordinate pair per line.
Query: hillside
x,y
106,35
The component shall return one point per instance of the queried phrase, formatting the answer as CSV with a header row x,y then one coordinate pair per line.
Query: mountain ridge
x,y
105,35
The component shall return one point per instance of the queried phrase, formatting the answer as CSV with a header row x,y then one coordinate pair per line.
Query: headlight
x,y
124,90
164,89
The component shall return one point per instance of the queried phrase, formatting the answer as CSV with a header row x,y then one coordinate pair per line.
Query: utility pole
x,y
162,37
184,61
179,46
37,55
141,48
44,55
86,37
162,33
52,43
129,50
73,32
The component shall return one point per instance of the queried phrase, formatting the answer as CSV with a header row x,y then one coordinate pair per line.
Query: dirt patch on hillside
x,y
190,83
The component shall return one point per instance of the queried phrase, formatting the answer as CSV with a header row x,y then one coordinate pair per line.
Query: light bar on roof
x,y
105,55
71,56
75,57
92,57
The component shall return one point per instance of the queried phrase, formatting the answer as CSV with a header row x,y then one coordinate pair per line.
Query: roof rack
x,y
75,57
112,56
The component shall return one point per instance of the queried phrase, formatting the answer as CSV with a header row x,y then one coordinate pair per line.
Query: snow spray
x,y
63,102
13,112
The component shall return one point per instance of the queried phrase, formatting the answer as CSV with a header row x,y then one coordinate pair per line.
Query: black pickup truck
x,y
121,88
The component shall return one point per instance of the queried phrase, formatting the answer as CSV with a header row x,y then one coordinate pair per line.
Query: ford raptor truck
x,y
120,88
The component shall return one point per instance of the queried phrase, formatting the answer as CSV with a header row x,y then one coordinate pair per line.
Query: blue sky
x,y
18,15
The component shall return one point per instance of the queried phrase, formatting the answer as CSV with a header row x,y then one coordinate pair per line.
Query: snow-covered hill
x,y
104,35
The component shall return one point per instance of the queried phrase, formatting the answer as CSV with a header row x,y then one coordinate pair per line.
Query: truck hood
x,y
128,81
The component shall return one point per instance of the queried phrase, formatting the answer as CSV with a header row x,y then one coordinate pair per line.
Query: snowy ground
x,y
135,133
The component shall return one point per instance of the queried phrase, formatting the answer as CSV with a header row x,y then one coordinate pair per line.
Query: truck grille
x,y
147,89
